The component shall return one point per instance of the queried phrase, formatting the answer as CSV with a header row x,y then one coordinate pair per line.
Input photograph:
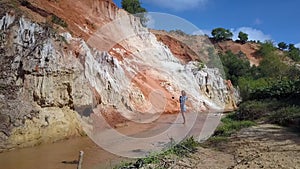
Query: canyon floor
x,y
262,146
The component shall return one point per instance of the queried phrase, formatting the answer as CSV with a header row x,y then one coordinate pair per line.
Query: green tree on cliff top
x,y
243,37
134,7
221,34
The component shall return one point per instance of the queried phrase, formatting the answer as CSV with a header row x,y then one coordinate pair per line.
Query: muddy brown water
x,y
51,156
61,155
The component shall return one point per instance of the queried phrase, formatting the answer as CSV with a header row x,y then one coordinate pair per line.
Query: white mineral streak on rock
x,y
6,21
151,54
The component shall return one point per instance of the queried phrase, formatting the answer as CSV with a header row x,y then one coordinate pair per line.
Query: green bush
x,y
234,67
243,37
253,110
282,45
247,85
272,111
287,116
269,88
134,7
221,34
280,89
294,53
266,49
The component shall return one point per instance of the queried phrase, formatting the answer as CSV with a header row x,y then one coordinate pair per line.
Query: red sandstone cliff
x,y
62,59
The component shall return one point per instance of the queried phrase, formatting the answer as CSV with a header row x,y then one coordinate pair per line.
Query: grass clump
x,y
218,139
230,126
165,158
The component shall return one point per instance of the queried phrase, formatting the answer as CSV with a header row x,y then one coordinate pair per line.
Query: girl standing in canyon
x,y
182,100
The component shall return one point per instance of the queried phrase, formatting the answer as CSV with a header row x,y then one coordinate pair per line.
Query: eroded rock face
x,y
50,82
37,85
178,48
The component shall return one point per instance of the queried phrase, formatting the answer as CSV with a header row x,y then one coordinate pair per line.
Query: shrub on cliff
x,y
134,7
234,67
294,53
221,34
282,46
243,37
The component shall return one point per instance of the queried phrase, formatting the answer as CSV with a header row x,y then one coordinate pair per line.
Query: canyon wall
x,y
53,77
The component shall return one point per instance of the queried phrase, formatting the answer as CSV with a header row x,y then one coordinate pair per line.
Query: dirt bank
x,y
263,146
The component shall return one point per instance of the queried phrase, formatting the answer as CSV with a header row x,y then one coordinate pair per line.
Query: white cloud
x,y
179,5
253,34
297,45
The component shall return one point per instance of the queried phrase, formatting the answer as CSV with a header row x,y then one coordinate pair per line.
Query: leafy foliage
x,y
282,45
134,7
243,37
234,67
287,116
272,111
294,53
293,72
271,79
272,66
266,88
266,49
254,110
270,91
291,46
221,34
283,88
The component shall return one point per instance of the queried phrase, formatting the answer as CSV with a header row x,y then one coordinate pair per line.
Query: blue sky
x,y
276,20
